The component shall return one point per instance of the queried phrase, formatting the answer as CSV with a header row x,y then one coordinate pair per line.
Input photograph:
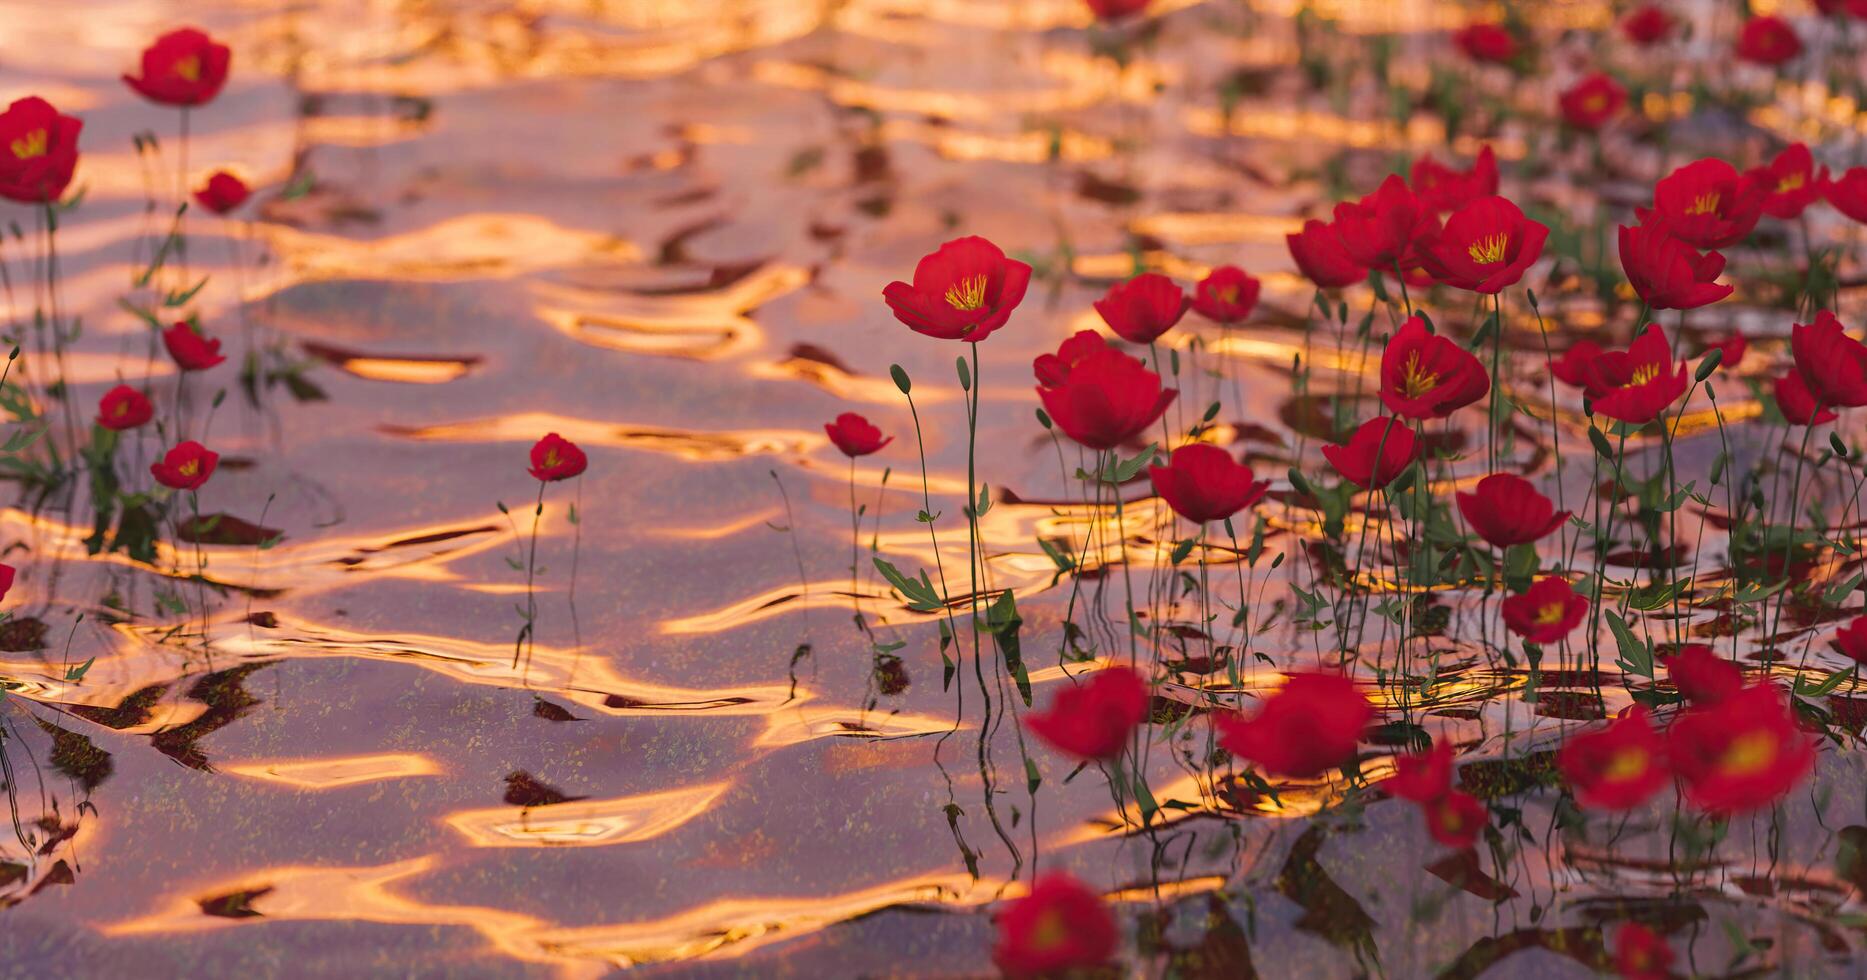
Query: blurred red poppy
x,y
1106,399
1380,450
1851,640
1446,189
1319,255
1309,726
186,467
1426,376
184,67
1731,351
1455,819
1422,776
1572,367
964,291
1059,926
855,435
1833,365
1701,676
1590,103
41,151
1114,10
192,351
1546,612
1093,719
123,407
1767,41
556,458
1849,194
1669,274
1641,954
1789,182
1797,404
222,193
1227,295
1484,247
1143,308
1648,24
1706,204
1617,767
1202,483
1506,509
1486,42
1741,753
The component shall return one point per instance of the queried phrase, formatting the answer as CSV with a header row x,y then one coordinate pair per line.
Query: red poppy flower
x,y
185,467
184,68
1701,676
1617,767
1572,367
1423,776
557,458
964,291
1053,369
1849,194
1797,404
1546,612
1380,450
7,574
1426,376
1637,384
123,407
222,193
1059,926
1484,246
1455,819
1380,229
1832,364
1506,509
1789,182
1093,719
1319,255
1446,189
1114,10
1851,640
1641,954
41,151
1669,274
1767,41
1203,483
1706,204
1143,308
1590,103
1647,25
855,436
192,351
1227,295
1741,753
1309,726
1731,351
1107,399
1486,42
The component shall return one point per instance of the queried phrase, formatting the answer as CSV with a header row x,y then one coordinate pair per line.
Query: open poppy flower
x,y
1789,181
1485,42
1319,255
1851,640
123,407
1059,926
855,436
192,351
1667,273
1307,727
1637,384
1484,246
964,291
1797,404
185,467
1546,612
222,193
1446,189
1203,483
1093,719
1832,364
1590,103
1455,819
1741,753
1143,308
1849,194
1426,376
40,151
1053,369
1768,41
1641,954
1701,676
1572,367
1706,204
556,458
1617,767
184,67
1506,509
1422,776
1379,230
1106,399
1378,452
1227,295
1647,25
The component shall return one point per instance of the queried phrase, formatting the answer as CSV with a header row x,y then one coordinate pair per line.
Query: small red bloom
x,y
192,351
1202,483
1789,182
1380,450
1426,376
1545,613
1106,399
1093,719
123,407
1731,351
1590,103
1767,41
1833,365
1506,509
1706,204
1143,308
1053,369
1319,255
1701,676
1851,640
41,151
1668,273
1455,819
1849,194
1637,384
183,68
1309,726
1380,229
1227,295
1424,776
185,467
1641,954
1114,10
1486,42
1484,246
1446,189
7,574
557,458
222,193
964,291
855,436
1059,926
1647,25
1617,767
1797,404
1572,367
1741,753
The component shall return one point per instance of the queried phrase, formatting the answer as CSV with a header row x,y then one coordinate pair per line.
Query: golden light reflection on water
x,y
586,823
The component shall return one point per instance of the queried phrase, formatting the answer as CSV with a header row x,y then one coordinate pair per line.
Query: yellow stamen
x,y
189,69
1749,754
1549,615
1489,250
1227,294
1643,374
1050,932
31,146
1595,103
189,468
551,459
1704,204
967,294
1415,380
1625,765
1793,182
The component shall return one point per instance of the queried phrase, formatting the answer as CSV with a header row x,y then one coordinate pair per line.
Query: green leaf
x,y
75,674
1636,655
918,592
1828,684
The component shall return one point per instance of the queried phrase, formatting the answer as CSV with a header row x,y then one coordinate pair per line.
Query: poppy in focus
x,y
1203,483
1106,399
964,291
1484,247
1667,273
1319,255
185,467
1426,376
855,435
1832,364
1380,450
1506,509
1143,308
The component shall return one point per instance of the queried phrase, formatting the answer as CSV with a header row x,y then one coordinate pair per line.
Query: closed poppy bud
x,y
556,458
1446,189
1319,255
1833,365
1849,194
1058,927
1641,954
855,436
1851,640
1109,11
222,193
1546,612
1706,204
1667,273
191,351
1455,819
1701,676
1107,399
964,291
1143,308
1647,25
1789,182
1590,103
123,407
1572,367
1484,42
1227,295
38,151
7,574
182,68
1617,767
1093,719
1768,41
1203,483
1637,384
1506,509
1797,404
1426,376
185,467
1740,754
1379,230
1380,450
1484,246
1424,776
1309,726
1053,369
